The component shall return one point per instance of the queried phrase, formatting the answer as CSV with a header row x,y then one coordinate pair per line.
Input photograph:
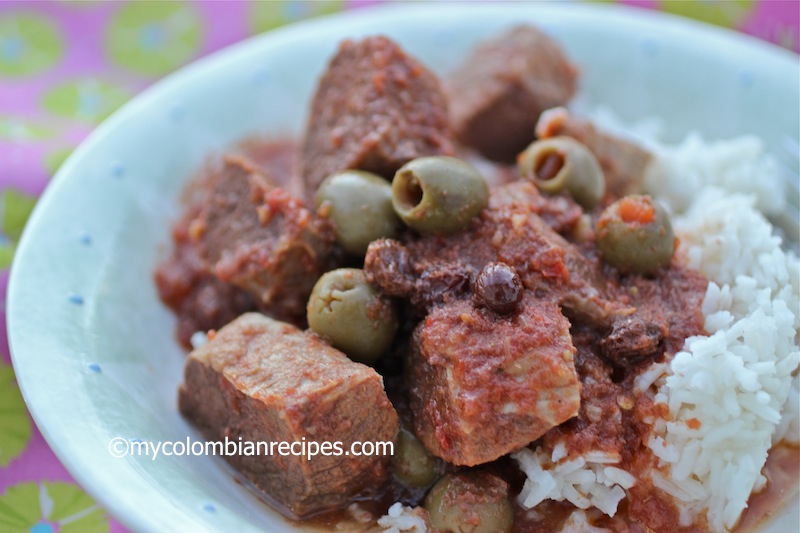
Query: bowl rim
x,y
81,468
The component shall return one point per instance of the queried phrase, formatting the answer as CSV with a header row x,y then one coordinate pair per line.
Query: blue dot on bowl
x,y
177,113
209,508
746,78
262,76
76,299
117,169
650,46
94,367
85,239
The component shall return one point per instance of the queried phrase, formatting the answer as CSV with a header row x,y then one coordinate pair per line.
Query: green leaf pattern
x,y
19,130
729,13
7,249
153,38
266,16
89,100
55,159
20,508
15,425
50,506
15,208
29,44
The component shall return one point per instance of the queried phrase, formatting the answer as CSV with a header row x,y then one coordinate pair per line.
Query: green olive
x,y
360,205
352,315
635,235
471,502
563,163
411,462
438,194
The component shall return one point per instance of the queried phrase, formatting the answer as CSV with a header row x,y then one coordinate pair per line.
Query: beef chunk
x,y
262,380
261,239
559,212
375,109
482,386
278,159
623,162
497,95
200,301
187,281
186,284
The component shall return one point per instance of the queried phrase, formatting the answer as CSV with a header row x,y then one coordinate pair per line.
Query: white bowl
x,y
94,349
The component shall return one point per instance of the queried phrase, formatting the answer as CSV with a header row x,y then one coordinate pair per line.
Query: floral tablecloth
x,y
64,67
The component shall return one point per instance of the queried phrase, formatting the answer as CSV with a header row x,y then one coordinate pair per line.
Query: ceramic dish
x,y
93,348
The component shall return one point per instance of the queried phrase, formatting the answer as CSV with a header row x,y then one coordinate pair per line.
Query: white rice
x,y
732,385
198,339
587,481
736,165
402,518
578,522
